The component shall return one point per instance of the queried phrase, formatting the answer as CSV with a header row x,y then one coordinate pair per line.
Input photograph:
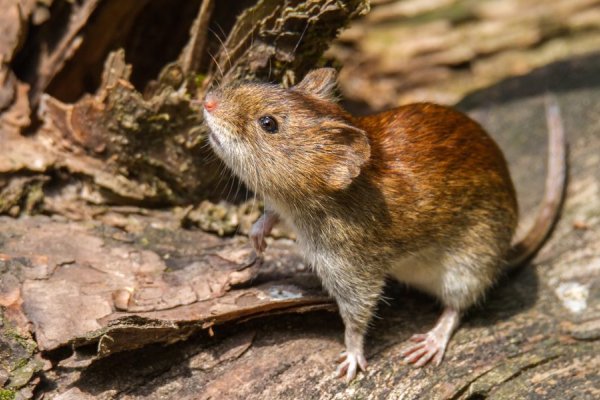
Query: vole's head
x,y
287,141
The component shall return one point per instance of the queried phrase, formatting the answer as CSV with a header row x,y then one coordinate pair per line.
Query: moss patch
x,y
6,394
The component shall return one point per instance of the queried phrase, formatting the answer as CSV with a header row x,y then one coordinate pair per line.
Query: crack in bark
x,y
497,381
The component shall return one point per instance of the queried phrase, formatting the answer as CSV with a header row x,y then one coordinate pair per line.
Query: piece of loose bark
x,y
281,41
83,284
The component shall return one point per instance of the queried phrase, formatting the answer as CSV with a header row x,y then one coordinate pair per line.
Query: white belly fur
x,y
450,276
421,271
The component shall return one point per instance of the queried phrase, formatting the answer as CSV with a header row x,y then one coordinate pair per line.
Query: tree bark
x,y
120,122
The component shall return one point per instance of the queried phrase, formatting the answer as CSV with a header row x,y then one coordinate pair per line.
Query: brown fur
x,y
419,192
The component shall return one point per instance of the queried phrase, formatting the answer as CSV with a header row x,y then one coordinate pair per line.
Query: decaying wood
x,y
147,145
108,289
191,56
82,126
280,42
148,282
52,58
11,36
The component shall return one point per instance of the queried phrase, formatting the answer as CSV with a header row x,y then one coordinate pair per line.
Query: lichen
x,y
16,356
7,394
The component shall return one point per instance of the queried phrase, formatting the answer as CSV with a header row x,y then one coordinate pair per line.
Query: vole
x,y
420,193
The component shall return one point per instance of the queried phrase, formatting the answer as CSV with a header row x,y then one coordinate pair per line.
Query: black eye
x,y
268,123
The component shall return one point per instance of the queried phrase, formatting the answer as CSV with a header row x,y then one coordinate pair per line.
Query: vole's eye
x,y
268,123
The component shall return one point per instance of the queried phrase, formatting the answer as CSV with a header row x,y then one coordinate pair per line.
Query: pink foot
x,y
426,347
261,229
431,346
349,364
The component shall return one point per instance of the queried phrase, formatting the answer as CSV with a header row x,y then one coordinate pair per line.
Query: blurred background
x,y
441,50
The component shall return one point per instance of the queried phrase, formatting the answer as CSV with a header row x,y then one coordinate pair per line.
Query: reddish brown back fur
x,y
438,171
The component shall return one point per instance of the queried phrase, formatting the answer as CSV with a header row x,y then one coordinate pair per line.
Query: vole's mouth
x,y
212,137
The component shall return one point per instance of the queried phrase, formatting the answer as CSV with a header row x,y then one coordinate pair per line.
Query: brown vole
x,y
419,193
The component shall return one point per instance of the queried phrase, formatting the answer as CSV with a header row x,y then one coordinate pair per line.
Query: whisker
x,y
223,46
217,65
301,36
221,29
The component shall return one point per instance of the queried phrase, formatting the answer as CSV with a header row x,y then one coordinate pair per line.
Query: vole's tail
x,y
556,181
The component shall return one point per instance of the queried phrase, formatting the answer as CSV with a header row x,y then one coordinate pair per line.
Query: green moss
x,y
16,357
21,363
27,344
6,394
24,372
35,197
159,117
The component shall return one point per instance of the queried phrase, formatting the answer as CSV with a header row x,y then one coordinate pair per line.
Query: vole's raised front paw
x,y
257,238
261,229
425,348
349,364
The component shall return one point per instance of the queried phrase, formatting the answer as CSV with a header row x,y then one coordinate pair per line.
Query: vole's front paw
x,y
261,229
257,237
349,364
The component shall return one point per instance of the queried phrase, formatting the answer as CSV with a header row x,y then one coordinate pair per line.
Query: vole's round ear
x,y
353,149
319,82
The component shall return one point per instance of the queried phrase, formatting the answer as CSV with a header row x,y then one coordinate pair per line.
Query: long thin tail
x,y
556,181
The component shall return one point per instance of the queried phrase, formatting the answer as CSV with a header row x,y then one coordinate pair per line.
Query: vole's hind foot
x,y
427,347
349,364
431,346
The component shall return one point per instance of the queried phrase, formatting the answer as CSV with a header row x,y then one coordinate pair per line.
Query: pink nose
x,y
210,103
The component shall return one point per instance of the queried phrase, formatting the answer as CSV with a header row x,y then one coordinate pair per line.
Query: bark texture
x,y
110,86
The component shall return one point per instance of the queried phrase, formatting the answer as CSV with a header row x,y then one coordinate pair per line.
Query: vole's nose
x,y
210,102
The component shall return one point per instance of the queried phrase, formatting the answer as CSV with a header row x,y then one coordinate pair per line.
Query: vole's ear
x,y
319,82
353,149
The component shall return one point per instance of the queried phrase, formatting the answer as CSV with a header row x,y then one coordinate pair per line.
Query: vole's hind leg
x,y
431,346
459,280
357,300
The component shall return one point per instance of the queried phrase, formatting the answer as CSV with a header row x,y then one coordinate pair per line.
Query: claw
x,y
260,230
410,349
349,365
424,350
431,346
419,337
259,244
424,359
